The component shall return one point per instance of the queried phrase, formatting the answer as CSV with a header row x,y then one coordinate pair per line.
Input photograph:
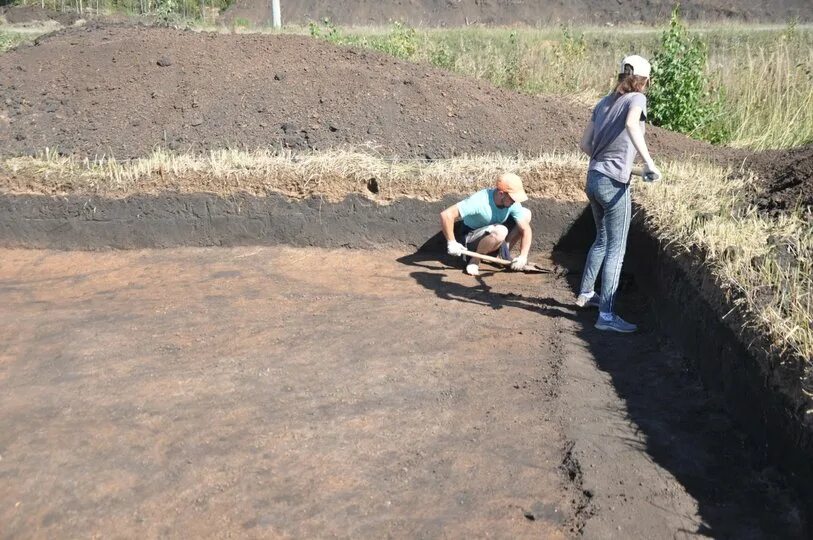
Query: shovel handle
x,y
530,267
488,258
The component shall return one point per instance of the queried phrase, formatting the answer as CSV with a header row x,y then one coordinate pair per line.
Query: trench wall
x,y
760,385
159,221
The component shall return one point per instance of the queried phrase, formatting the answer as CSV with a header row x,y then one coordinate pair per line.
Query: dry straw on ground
x,y
769,262
331,174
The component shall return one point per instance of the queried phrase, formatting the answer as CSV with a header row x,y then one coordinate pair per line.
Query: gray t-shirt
x,y
613,151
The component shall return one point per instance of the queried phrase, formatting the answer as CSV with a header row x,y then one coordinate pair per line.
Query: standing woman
x,y
612,137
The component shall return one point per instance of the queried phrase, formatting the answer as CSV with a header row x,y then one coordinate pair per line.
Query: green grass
x,y
764,73
769,96
10,39
174,9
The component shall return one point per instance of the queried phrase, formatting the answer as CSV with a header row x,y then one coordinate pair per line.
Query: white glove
x,y
519,263
455,248
651,172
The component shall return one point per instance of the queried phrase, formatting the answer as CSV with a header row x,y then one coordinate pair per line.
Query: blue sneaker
x,y
587,300
616,324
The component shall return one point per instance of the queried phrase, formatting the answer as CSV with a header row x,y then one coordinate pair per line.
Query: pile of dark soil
x,y
787,179
124,90
502,12
31,14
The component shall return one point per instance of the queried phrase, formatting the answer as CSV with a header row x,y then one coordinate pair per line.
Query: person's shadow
x,y
481,293
686,430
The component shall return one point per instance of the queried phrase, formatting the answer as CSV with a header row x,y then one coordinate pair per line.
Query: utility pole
x,y
276,15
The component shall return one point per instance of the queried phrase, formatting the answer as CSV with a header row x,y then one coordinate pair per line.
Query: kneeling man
x,y
493,221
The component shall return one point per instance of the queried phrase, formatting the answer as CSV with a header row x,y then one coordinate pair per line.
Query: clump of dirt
x,y
501,12
31,14
786,180
125,90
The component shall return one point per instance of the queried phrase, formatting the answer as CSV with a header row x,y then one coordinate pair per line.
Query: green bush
x,y
440,55
570,51
514,72
572,47
325,30
166,8
401,41
679,98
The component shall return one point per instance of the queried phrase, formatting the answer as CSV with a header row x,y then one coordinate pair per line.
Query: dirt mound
x,y
787,179
501,12
30,14
124,90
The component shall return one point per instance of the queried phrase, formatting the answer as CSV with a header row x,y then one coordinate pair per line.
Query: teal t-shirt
x,y
480,210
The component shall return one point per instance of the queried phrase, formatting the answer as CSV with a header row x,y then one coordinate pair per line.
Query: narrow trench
x,y
653,447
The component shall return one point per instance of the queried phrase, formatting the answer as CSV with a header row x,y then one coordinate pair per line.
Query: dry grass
x,y
331,174
764,73
769,95
769,262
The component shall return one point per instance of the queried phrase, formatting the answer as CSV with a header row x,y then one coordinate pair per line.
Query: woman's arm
x,y
652,173
586,144
636,135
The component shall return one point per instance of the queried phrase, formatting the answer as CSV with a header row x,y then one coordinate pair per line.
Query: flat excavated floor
x,y
280,392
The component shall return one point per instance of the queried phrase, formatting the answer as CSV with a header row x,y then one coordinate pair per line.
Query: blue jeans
x,y
611,205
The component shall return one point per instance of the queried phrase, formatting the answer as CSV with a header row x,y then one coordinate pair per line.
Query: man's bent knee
x,y
500,232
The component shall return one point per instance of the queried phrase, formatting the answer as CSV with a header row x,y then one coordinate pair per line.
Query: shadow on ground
x,y
685,431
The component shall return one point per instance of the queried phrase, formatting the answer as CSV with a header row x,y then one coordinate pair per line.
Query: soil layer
x,y
516,12
33,13
140,221
255,392
787,180
124,90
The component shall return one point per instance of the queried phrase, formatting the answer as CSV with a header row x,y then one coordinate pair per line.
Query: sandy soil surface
x,y
35,13
787,180
124,90
256,392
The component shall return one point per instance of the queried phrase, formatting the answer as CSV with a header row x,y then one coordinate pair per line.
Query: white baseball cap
x,y
639,65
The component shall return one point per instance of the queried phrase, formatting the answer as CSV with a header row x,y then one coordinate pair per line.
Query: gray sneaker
x,y
616,324
505,252
585,300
